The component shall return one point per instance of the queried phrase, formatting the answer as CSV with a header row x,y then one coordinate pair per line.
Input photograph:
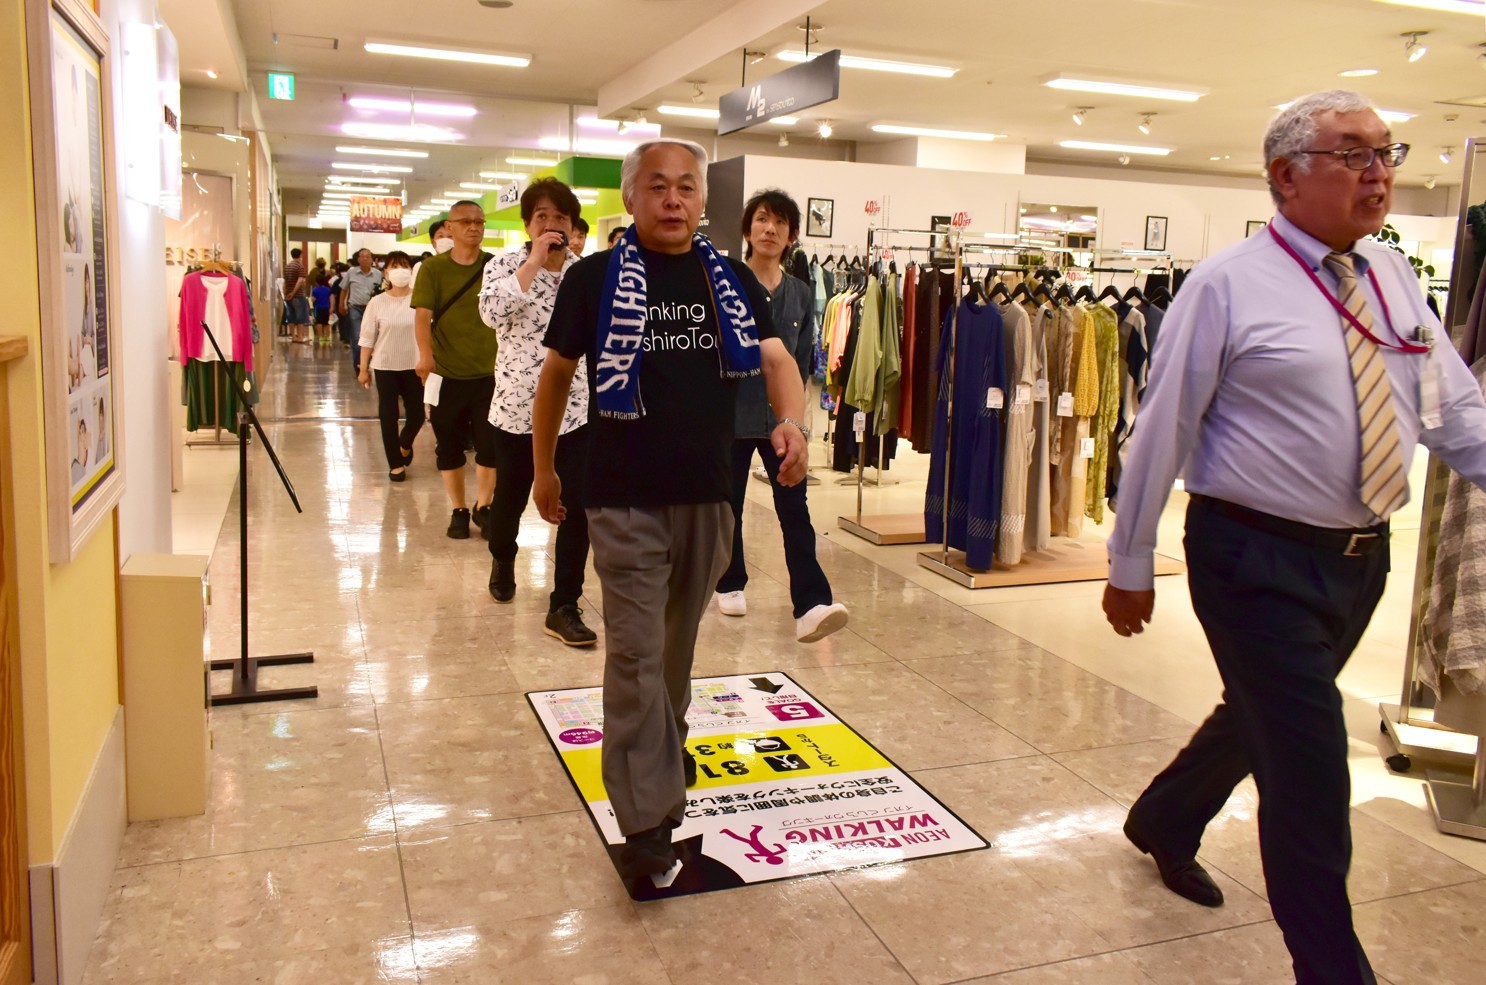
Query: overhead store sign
x,y
783,94
280,85
376,215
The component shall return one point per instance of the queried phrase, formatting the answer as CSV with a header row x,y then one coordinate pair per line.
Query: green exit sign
x,y
280,85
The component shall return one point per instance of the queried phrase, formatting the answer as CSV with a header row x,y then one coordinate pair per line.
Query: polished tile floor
x,y
412,825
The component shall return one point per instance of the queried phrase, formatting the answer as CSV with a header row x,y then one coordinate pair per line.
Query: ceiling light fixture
x,y
1124,89
479,186
1412,49
449,54
532,162
372,168
446,202
825,129
1145,123
784,140
1357,73
382,151
358,190
416,106
784,121
351,179
418,133
874,64
619,126
211,73
1446,155
1475,7
1078,115
696,112
697,94
500,175
934,132
1114,148
1429,182
588,145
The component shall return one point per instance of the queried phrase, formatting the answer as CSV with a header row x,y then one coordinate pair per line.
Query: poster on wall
x,y
74,248
376,215
784,788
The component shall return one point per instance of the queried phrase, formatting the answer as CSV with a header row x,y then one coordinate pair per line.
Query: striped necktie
x,y
1383,483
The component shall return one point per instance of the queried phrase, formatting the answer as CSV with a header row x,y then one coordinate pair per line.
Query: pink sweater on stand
x,y
193,311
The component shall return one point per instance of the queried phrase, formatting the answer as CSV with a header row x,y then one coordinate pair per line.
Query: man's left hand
x,y
794,453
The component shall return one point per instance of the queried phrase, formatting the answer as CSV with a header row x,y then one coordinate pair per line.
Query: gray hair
x,y
1295,128
630,169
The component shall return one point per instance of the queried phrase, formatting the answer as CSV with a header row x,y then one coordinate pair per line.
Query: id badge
x,y
1429,380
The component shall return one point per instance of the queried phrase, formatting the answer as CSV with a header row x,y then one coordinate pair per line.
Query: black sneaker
x,y
689,764
459,525
565,623
503,580
648,853
481,516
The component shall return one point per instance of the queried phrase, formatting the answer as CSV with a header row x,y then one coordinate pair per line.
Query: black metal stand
x,y
245,688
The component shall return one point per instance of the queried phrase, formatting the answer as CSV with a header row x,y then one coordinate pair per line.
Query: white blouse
x,y
520,321
387,329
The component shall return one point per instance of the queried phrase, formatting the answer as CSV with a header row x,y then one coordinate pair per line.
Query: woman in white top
x,y
516,300
390,348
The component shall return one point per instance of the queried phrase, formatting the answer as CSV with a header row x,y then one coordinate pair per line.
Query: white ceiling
x,y
1250,56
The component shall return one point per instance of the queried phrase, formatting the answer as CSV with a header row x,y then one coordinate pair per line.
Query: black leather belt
x,y
1350,542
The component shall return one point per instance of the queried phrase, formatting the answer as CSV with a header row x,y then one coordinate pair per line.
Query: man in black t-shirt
x,y
658,485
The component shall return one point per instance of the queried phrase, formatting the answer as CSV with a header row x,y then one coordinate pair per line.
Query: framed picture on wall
x,y
72,144
819,216
1254,226
1155,232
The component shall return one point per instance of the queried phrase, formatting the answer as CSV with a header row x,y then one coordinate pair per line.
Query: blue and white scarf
x,y
622,316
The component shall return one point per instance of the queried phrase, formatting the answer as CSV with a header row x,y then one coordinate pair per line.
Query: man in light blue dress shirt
x,y
1252,392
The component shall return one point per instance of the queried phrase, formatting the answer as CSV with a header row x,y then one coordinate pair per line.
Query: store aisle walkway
x,y
413,825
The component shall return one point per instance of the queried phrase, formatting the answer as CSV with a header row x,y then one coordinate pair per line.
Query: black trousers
x,y
1282,618
394,385
808,586
462,413
514,468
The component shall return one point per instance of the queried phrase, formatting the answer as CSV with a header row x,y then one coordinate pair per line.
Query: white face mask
x,y
400,276
443,245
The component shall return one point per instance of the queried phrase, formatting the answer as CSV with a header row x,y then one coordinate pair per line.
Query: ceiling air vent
x,y
307,41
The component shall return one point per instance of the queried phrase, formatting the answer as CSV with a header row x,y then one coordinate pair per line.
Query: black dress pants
x,y
808,586
394,385
514,467
1282,617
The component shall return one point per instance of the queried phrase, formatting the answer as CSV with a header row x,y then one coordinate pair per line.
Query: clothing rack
x,y
1061,562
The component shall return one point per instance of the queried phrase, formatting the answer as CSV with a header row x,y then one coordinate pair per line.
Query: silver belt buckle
x,y
1357,539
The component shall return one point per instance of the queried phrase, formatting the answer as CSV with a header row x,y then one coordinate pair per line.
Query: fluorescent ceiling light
x,y
449,54
1387,115
382,151
589,145
500,175
785,121
534,162
478,186
696,112
374,168
418,133
874,64
932,132
1114,148
1125,89
1475,7
416,106
630,126
1357,73
444,201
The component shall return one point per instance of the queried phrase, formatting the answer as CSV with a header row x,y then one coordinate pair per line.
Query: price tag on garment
x,y
1086,448
1065,404
995,399
859,422
1023,394
1039,390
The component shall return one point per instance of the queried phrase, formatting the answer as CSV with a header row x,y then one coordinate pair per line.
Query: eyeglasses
x,y
1361,158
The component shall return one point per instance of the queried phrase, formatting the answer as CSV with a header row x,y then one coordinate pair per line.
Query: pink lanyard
x,y
1402,346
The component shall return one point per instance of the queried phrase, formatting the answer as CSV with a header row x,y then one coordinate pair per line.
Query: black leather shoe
x,y
503,580
481,516
1185,877
566,623
689,764
398,476
459,525
648,853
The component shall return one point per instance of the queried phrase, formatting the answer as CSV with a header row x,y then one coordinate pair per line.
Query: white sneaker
x,y
732,603
820,622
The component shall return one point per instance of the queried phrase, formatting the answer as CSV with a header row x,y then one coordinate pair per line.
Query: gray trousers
x,y
657,568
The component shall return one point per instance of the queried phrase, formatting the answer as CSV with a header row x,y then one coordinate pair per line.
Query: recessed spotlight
x,y
1357,73
825,129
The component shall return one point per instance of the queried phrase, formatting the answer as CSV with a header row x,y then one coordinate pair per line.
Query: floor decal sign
x,y
784,788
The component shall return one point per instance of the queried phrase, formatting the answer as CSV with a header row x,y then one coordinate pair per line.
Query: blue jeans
x,y
351,329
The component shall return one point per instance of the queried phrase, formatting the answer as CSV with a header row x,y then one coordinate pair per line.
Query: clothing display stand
x,y
231,267
1459,808
245,689
1409,724
1065,560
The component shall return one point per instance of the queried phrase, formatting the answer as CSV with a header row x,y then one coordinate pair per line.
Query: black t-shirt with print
x,y
680,451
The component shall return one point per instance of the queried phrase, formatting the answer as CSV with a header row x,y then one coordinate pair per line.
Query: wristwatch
x,y
803,428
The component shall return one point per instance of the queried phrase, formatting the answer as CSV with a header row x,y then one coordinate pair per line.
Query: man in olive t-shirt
x,y
460,348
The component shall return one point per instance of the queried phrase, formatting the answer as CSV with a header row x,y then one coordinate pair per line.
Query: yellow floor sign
x,y
784,788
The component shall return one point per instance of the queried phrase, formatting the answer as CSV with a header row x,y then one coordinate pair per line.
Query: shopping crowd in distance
x,y
1280,367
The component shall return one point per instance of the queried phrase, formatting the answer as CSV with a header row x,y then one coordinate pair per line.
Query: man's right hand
x,y
546,492
424,367
545,245
1128,612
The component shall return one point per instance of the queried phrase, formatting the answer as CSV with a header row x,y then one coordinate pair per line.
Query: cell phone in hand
x,y
564,236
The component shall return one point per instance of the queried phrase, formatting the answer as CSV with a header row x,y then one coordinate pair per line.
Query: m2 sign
x,y
784,93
